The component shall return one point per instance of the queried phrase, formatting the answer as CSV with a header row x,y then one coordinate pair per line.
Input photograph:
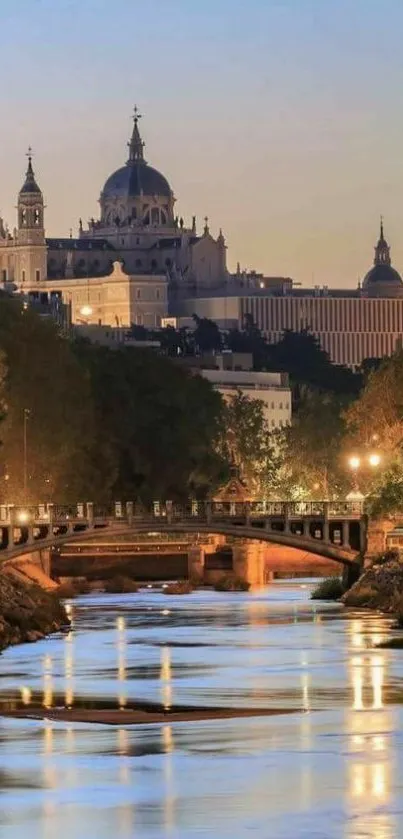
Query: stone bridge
x,y
335,530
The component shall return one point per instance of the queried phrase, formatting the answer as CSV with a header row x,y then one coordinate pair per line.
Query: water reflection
x,y
339,753
367,674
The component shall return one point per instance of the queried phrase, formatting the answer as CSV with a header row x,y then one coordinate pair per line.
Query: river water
x,y
333,768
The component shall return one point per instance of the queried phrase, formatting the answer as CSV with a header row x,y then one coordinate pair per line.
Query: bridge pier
x,y
196,557
248,562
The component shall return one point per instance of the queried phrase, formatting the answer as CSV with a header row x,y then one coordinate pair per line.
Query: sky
x,y
282,120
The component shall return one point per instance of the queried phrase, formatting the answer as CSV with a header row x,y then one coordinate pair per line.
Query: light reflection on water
x,y
328,771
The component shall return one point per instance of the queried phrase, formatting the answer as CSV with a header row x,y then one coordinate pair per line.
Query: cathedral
x,y
121,268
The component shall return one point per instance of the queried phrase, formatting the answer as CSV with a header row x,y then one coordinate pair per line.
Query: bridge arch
x,y
317,547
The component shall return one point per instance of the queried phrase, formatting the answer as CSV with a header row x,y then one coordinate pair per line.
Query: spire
x,y
136,145
382,249
206,227
30,184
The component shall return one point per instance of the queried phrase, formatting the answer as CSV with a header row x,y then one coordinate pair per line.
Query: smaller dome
x,y
382,280
382,275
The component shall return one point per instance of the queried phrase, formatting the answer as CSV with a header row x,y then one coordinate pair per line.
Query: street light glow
x,y
86,311
23,517
354,462
374,459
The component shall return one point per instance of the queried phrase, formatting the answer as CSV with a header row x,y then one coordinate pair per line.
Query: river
x,y
333,768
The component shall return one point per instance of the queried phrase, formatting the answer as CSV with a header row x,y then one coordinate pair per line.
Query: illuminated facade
x,y
137,229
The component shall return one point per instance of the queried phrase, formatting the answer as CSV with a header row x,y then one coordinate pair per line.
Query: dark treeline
x,y
130,423
102,424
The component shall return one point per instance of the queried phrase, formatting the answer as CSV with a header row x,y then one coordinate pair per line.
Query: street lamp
x,y
25,451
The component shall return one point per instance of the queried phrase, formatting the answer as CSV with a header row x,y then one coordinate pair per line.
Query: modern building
x,y
232,373
350,324
118,269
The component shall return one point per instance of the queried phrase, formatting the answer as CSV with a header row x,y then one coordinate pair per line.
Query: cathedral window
x,y
37,217
153,264
155,215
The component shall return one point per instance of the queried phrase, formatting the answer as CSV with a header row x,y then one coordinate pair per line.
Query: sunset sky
x,y
282,120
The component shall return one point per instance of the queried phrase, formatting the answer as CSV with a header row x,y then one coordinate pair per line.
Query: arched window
x,y
281,406
134,212
23,218
146,219
155,215
163,217
168,262
37,217
153,264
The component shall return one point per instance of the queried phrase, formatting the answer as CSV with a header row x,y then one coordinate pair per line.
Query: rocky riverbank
x,y
380,587
27,612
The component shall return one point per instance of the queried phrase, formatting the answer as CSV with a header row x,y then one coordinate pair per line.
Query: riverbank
x,y
379,587
27,612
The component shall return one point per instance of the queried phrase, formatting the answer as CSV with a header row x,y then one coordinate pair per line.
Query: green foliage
x,y
387,493
102,423
246,440
329,589
207,336
311,449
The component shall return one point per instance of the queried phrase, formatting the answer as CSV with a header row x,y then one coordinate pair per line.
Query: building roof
x,y
134,179
30,186
69,244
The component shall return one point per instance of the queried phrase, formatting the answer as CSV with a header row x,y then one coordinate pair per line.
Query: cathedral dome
x,y
134,179
382,280
137,177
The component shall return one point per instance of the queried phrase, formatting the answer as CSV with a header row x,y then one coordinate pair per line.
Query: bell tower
x,y
31,251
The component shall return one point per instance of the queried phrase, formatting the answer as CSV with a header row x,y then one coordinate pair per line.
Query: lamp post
x,y
373,459
25,452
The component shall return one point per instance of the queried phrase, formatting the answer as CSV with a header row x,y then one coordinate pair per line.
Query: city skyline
x,y
255,122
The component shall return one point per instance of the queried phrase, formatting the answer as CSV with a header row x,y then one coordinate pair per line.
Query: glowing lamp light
x,y
354,462
86,311
374,459
23,517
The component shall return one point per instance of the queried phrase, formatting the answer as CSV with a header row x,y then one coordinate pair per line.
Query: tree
x,y
246,440
312,449
207,336
376,417
160,421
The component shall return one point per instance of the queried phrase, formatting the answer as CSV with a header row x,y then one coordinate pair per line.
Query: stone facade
x,y
137,228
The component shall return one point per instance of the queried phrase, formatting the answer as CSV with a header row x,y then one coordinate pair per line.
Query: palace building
x,y
350,324
118,270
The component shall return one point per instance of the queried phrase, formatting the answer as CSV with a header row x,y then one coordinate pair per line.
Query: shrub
x,y
231,584
392,555
180,587
120,585
329,589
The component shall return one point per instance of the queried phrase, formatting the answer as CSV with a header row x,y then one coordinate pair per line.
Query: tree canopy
x,y
100,423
